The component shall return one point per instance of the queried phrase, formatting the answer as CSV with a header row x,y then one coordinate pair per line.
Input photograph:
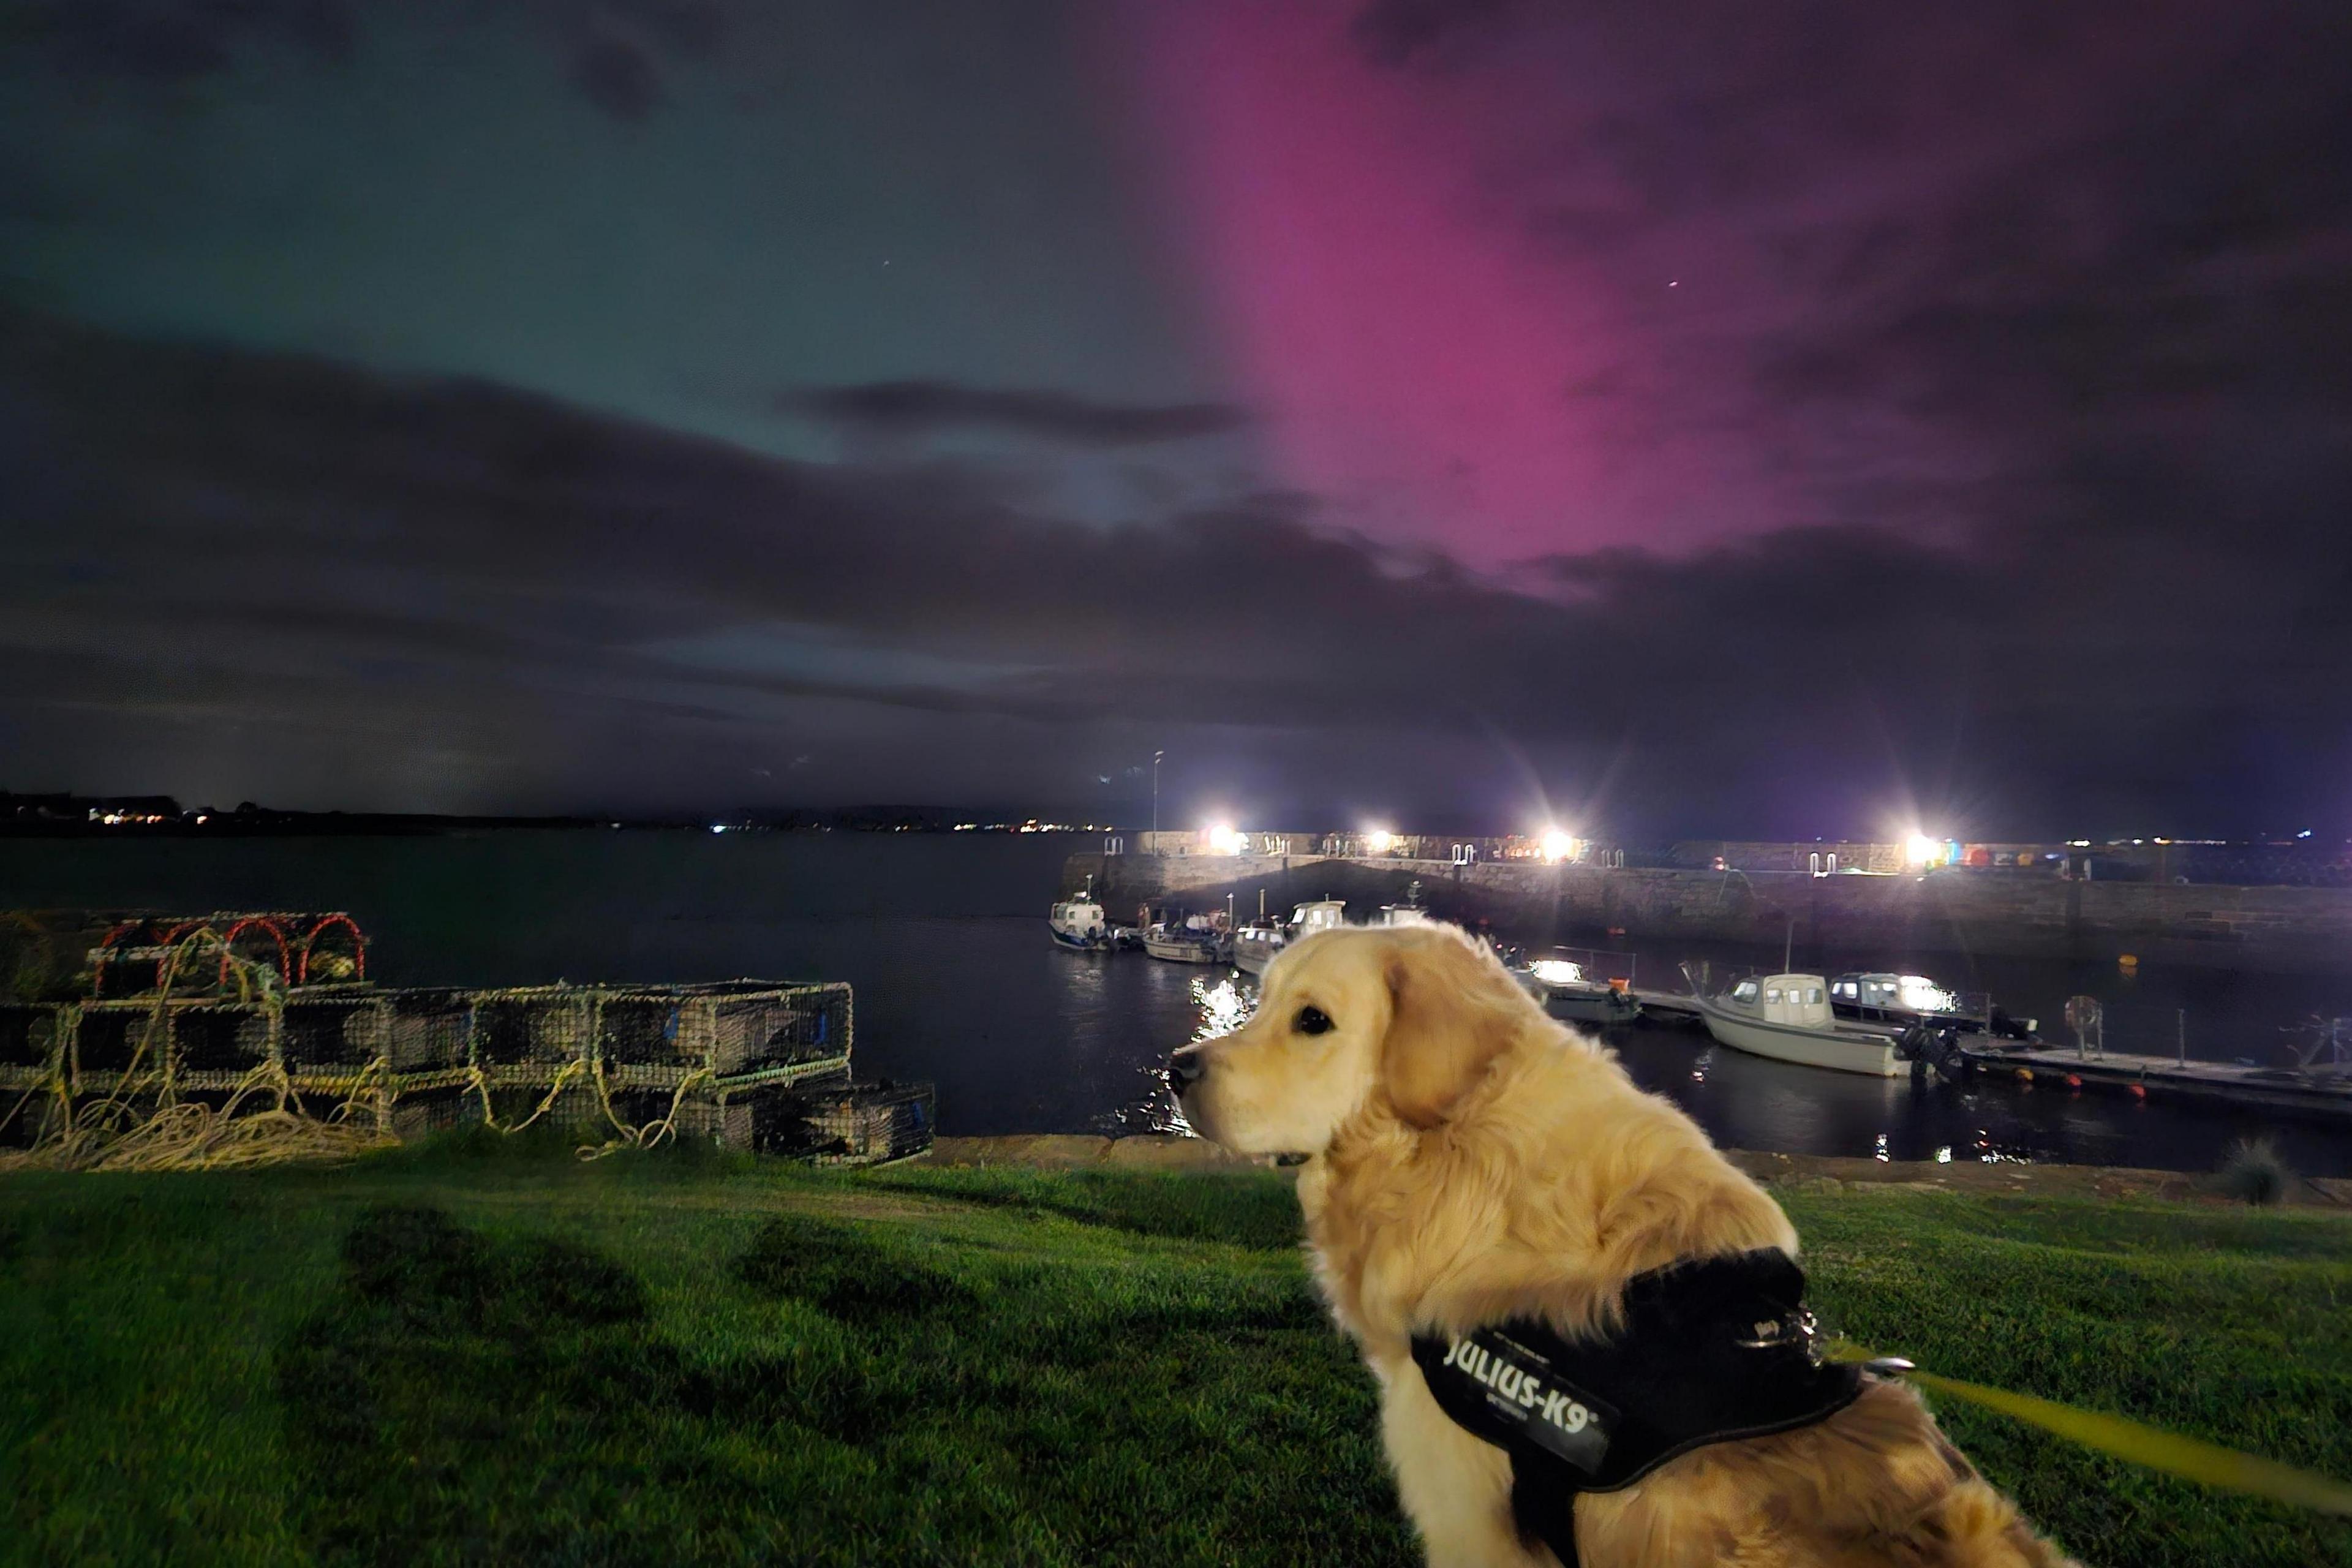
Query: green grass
x,y
443,1356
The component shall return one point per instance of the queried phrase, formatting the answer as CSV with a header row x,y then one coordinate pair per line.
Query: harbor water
x,y
943,938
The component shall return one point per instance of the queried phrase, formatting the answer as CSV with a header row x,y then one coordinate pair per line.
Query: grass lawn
x,y
448,1355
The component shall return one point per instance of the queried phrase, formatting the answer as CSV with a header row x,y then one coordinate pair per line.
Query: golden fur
x,y
1470,1160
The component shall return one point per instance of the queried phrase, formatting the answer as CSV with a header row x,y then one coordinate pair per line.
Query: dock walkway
x,y
2319,1092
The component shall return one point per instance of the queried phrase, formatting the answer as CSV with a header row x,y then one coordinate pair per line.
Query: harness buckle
x,y
1798,1328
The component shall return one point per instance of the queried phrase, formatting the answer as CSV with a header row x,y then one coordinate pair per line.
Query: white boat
x,y
1572,984
1787,1017
1188,943
1255,944
1408,913
1904,1000
1078,924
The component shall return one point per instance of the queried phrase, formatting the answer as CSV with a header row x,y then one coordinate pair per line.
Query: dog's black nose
x,y
1184,1070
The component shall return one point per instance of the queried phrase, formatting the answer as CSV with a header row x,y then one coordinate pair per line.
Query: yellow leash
x,y
2208,1464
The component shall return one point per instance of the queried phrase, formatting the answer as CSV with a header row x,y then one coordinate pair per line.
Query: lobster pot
x,y
745,1028
429,1030
852,1124
29,1036
331,1036
421,1112
27,1114
111,1036
45,953
574,1111
644,1028
703,1113
213,1044
546,1027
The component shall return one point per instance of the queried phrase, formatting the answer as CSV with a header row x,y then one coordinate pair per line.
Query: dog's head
x,y
1397,1022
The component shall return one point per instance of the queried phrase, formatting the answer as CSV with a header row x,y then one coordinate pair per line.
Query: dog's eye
x,y
1312,1021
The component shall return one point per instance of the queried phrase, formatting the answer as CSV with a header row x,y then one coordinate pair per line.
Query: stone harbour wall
x,y
2018,914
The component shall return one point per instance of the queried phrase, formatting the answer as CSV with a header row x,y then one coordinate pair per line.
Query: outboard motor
x,y
1952,1062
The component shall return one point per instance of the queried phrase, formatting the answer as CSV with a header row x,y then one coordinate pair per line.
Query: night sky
x,y
1665,419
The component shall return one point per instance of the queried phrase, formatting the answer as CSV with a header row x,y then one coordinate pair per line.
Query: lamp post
x,y
1155,800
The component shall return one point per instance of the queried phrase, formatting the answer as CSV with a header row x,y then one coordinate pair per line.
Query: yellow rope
x,y
2208,1464
650,1135
114,1132
481,1084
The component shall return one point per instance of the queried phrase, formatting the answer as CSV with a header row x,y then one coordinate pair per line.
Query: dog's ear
x,y
1447,1022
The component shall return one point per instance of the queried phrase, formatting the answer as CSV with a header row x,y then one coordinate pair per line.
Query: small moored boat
x,y
1407,913
1078,924
1902,1000
1787,1017
1192,941
1255,944
1590,987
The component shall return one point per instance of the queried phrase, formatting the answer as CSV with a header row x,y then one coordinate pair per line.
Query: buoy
x,y
2025,1075
2074,1080
2128,964
2139,1091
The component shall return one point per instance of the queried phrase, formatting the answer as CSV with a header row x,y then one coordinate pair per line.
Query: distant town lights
x,y
1557,845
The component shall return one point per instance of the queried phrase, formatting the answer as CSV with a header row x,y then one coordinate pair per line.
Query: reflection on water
x,y
1224,1006
1748,1102
1220,1005
944,938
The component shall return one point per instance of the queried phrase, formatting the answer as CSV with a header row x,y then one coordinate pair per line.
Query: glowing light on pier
x,y
1224,840
1557,845
1920,850
1380,841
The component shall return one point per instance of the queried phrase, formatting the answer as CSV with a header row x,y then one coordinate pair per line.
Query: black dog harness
x,y
1711,1351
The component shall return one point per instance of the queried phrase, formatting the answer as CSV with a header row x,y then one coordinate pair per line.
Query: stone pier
x,y
2012,914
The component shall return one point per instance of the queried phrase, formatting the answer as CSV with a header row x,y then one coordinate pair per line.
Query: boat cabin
x,y
1801,1001
1892,993
1324,914
1080,917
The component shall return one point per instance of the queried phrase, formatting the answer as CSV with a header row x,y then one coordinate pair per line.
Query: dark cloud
x,y
613,49
171,41
1935,267
617,76
1398,32
431,592
924,408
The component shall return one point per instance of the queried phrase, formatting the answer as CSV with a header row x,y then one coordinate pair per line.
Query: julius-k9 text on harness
x,y
1710,1351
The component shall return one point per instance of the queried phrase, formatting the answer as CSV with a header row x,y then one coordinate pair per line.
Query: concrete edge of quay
x,y
1823,1174
2279,930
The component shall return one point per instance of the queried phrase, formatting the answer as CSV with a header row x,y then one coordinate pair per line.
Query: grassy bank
x,y
449,1356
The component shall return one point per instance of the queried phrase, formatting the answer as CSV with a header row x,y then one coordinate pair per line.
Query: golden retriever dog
x,y
1471,1160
